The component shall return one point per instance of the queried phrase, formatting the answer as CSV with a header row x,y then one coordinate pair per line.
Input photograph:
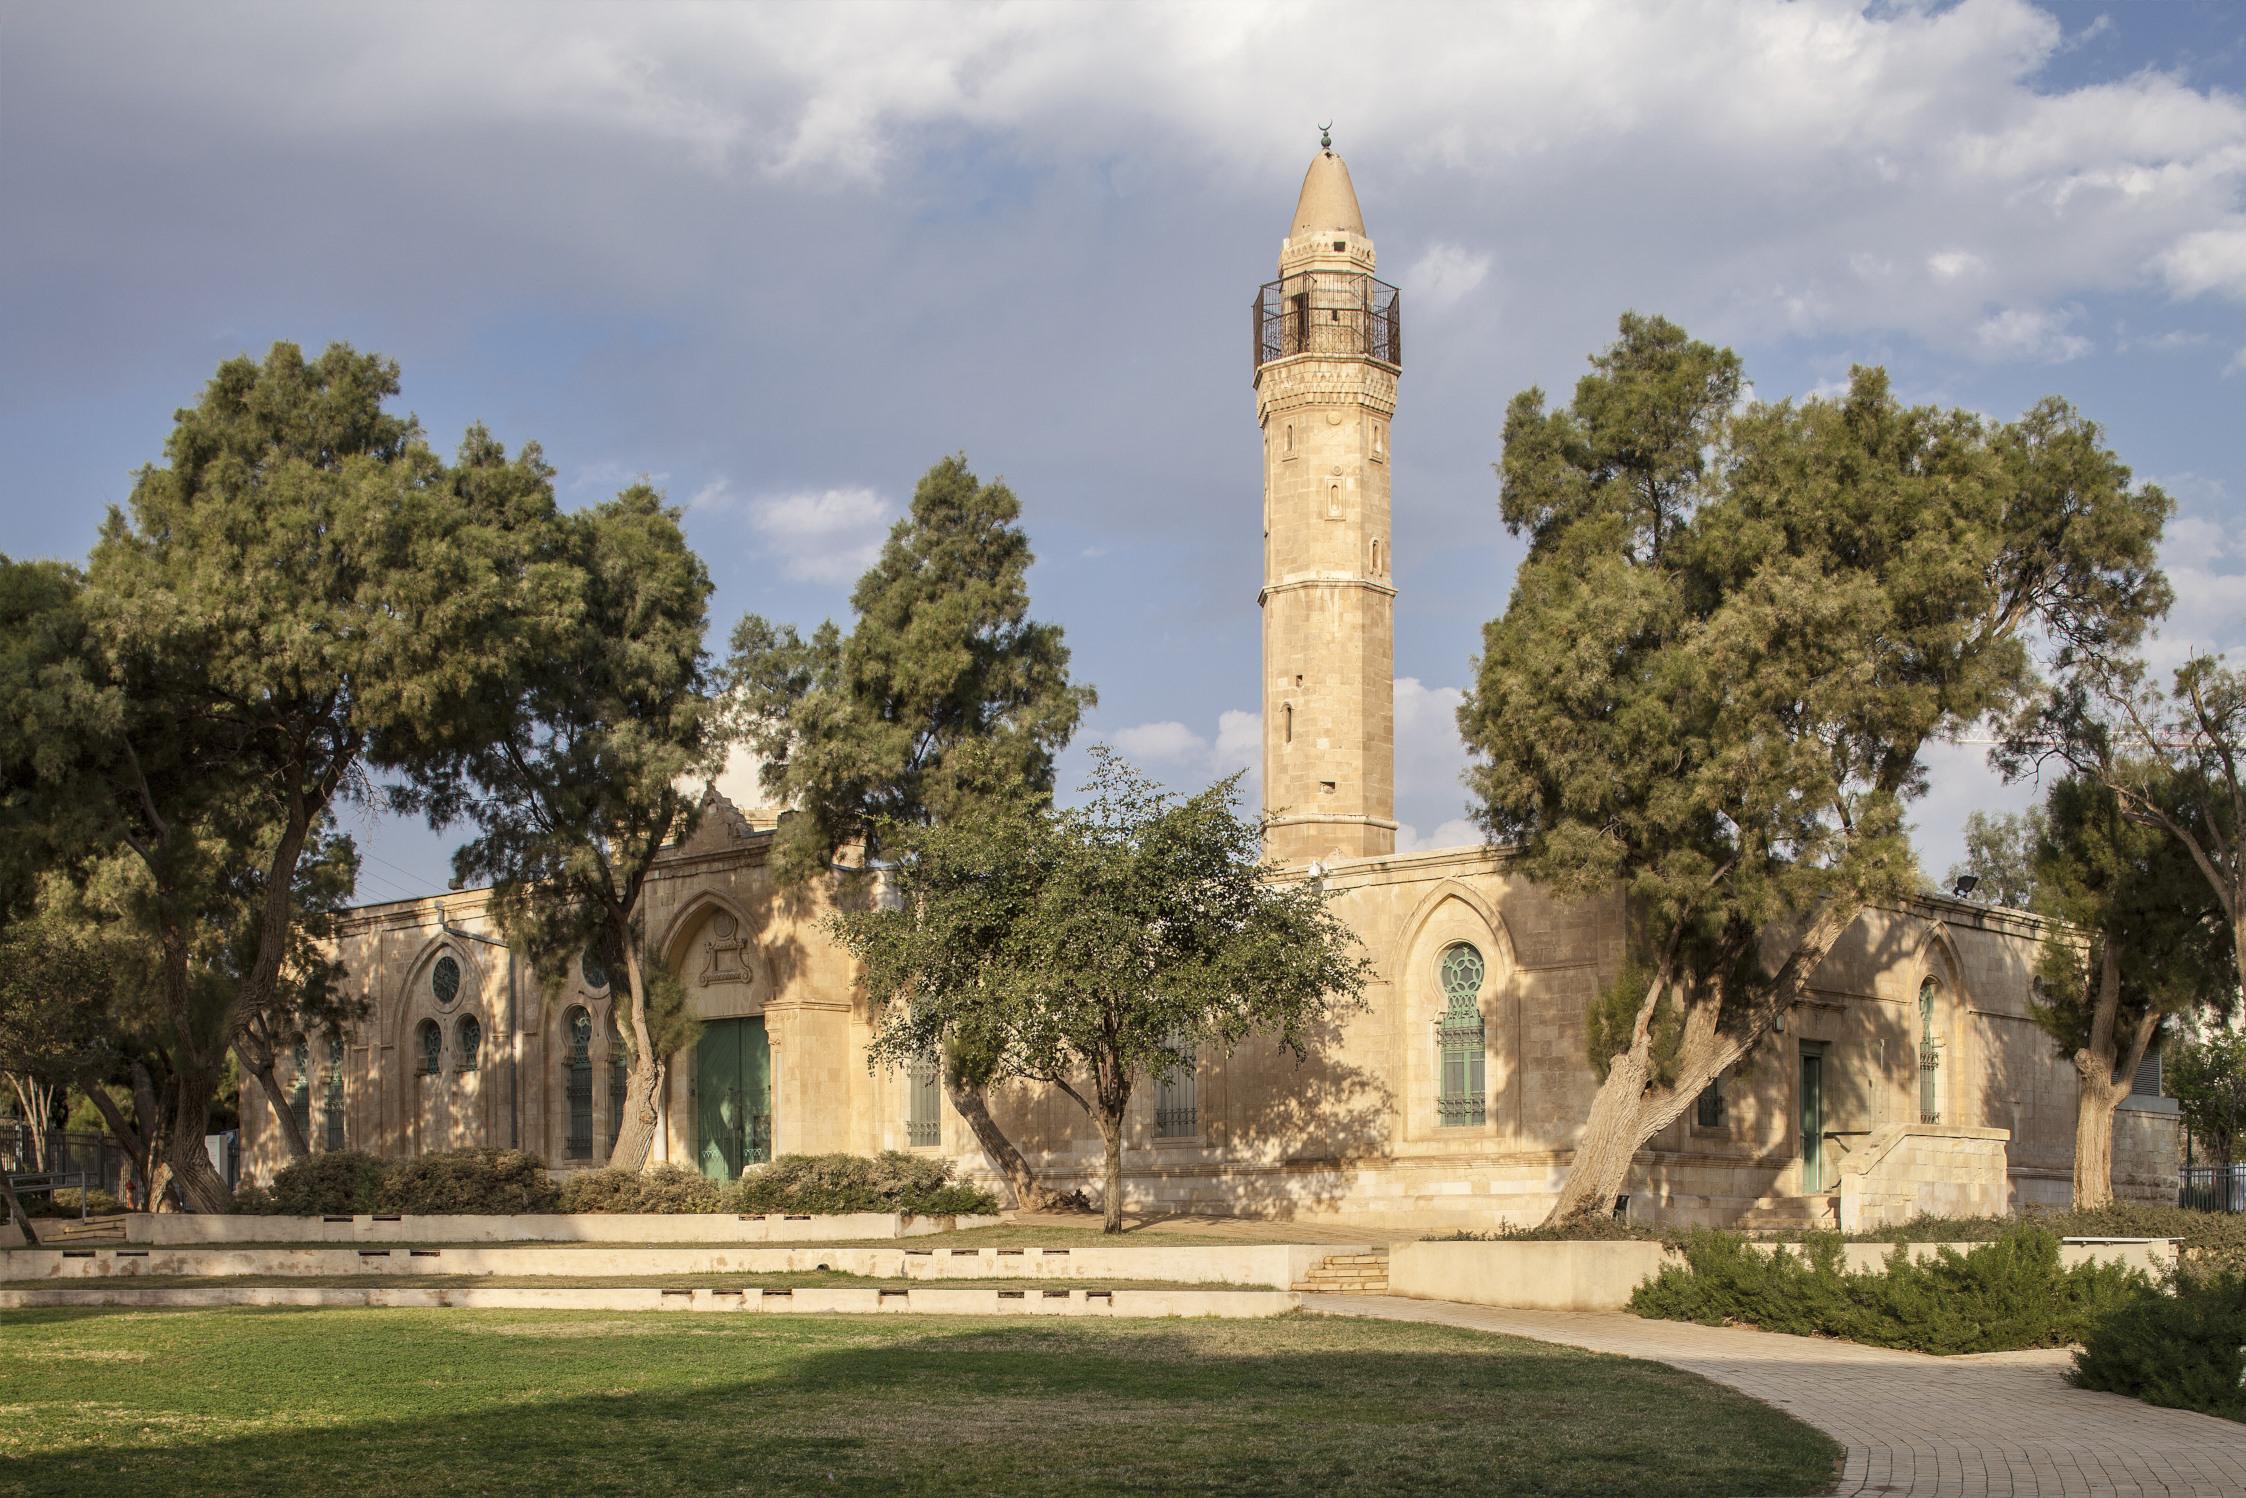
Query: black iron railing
x,y
1329,312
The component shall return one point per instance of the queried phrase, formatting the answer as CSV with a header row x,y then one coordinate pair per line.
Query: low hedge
x,y
2007,1294
661,1188
494,1182
2182,1349
508,1182
891,1181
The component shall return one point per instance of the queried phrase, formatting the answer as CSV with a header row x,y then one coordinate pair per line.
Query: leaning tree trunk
x,y
1631,1107
200,1187
970,1104
643,1092
259,1064
129,1139
2096,1100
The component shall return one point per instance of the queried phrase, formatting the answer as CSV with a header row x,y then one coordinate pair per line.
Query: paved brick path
x,y
1999,1424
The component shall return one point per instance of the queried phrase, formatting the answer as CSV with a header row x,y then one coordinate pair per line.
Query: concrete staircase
x,y
1781,1213
1347,1274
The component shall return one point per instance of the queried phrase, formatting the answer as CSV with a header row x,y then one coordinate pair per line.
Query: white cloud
x,y
828,536
2209,260
1955,265
1443,277
1456,833
2237,364
1149,742
2030,333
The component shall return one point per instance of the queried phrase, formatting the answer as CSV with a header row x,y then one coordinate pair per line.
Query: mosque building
x,y
1913,1074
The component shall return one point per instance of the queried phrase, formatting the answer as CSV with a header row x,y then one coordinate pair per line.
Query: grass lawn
x,y
375,1403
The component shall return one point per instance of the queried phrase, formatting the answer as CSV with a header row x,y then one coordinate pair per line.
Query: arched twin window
x,y
1458,1038
429,1047
579,1027
468,1038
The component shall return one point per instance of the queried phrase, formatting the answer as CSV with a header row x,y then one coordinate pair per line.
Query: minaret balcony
x,y
1341,313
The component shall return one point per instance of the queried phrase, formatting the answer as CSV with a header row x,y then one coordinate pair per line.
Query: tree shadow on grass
x,y
705,1404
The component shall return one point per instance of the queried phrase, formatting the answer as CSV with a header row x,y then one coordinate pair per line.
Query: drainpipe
x,y
514,1039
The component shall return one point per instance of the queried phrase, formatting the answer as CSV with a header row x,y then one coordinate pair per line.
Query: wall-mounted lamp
x,y
1965,885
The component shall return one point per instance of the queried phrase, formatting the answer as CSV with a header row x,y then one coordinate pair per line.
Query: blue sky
x,y
783,258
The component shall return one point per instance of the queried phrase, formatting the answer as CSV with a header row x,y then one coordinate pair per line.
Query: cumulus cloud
x,y
1443,277
826,536
2208,260
2030,333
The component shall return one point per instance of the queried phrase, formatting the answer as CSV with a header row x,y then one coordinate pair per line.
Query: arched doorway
x,y
732,1097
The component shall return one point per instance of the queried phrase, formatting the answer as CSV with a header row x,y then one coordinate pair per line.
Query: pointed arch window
x,y
1459,1038
331,1103
619,1079
1929,1055
429,1046
578,1084
468,1037
300,1093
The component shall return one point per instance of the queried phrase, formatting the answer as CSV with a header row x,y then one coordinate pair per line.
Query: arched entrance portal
x,y
732,1097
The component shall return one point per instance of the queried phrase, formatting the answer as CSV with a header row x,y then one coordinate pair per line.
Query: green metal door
x,y
732,1097
1812,1121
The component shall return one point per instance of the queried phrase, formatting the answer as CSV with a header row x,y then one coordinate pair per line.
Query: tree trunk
x,y
1610,1140
36,1100
643,1092
1029,1196
17,1213
259,1064
2095,1102
1111,1135
129,1139
2103,1075
200,1187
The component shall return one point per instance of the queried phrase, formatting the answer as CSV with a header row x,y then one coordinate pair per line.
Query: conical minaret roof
x,y
1328,204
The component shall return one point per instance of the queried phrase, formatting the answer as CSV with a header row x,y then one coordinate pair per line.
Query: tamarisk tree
x,y
945,702
576,777
1082,948
1737,627
2142,939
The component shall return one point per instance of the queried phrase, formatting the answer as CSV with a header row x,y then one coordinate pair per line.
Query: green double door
x,y
732,1097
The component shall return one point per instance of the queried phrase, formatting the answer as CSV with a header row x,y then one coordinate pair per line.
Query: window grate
x,y
331,1106
1177,1094
1460,1046
579,1144
923,1120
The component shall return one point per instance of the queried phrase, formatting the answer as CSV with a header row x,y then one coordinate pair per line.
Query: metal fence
x,y
92,1156
1329,312
2213,1188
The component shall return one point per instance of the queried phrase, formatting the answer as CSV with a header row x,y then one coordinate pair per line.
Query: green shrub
x,y
497,1182
662,1188
2008,1294
889,1182
2181,1349
1580,1230
2214,1242
321,1185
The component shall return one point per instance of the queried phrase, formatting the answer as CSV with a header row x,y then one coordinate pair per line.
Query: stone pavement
x,y
1999,1424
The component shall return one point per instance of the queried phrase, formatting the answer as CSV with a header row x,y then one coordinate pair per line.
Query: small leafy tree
x,y
1110,933
1737,627
946,702
2175,758
2000,856
2207,1078
2141,941
576,778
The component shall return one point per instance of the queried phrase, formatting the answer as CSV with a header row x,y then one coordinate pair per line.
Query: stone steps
x,y
1775,1212
1346,1274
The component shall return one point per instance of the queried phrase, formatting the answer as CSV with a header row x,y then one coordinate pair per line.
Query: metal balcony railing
x,y
1329,312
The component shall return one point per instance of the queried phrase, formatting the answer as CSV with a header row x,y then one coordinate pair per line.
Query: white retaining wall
x,y
150,1228
916,1301
1276,1266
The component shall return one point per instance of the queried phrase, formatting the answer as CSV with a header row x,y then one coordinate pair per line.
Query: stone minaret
x,y
1329,346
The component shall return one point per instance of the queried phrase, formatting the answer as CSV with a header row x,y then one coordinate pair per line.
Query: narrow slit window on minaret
x,y
1289,720
1333,501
